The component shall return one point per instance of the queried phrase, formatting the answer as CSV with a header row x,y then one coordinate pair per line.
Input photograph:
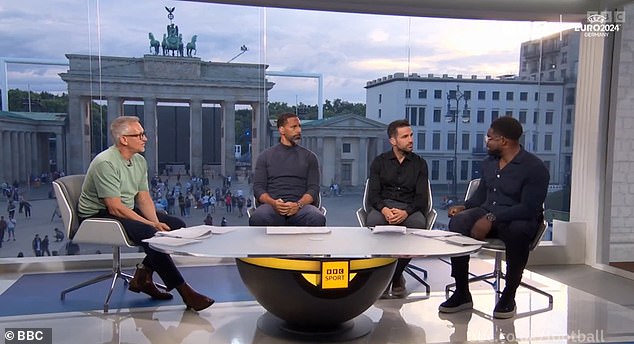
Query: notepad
x,y
196,232
435,233
297,230
170,241
463,240
389,229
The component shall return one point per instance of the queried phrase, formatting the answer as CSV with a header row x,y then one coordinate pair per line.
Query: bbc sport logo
x,y
600,24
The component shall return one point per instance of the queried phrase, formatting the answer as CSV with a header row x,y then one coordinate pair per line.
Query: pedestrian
x,y
223,223
11,208
59,235
240,205
209,221
45,242
37,245
11,223
3,227
27,209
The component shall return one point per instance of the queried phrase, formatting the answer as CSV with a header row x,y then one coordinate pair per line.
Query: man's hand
x,y
160,226
481,228
280,206
455,210
394,216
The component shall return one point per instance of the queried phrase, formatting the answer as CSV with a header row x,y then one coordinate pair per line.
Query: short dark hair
x,y
508,127
392,128
283,118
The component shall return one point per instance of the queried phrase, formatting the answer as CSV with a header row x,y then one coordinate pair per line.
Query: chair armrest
x,y
431,218
102,231
361,217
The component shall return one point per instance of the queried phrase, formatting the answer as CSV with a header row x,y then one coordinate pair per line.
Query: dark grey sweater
x,y
287,173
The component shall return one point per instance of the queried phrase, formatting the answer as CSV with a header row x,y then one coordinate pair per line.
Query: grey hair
x,y
121,125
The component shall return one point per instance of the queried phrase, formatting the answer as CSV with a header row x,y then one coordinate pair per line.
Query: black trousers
x,y
516,235
415,220
157,261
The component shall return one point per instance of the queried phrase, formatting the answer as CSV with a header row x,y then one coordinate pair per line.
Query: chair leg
x,y
409,269
112,275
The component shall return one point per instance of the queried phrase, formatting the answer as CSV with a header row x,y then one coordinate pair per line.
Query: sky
x,y
347,49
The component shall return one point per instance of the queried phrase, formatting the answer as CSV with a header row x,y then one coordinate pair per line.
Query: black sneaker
x,y
456,303
504,309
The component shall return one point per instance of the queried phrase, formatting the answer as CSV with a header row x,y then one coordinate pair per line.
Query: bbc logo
x,y
28,335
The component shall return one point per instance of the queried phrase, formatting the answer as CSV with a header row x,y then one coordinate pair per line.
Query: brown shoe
x,y
193,299
142,282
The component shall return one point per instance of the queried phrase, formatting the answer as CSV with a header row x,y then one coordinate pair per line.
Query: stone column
x,y
338,143
363,161
196,137
149,125
115,109
258,131
15,157
36,159
28,156
78,150
319,151
4,160
59,150
23,174
228,139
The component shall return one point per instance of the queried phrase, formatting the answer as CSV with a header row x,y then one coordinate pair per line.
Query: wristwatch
x,y
490,217
300,204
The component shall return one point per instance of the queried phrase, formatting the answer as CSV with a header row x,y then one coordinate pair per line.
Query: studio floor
x,y
579,313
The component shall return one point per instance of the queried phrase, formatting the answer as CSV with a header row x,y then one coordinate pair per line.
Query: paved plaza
x,y
341,212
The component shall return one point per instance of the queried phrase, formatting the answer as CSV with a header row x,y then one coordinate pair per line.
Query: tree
x,y
331,108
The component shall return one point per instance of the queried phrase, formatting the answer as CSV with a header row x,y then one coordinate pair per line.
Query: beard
x,y
493,152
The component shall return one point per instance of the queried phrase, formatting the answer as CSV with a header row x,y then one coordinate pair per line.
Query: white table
x,y
341,242
287,274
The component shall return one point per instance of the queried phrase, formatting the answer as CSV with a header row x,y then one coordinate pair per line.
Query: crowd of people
x,y
176,198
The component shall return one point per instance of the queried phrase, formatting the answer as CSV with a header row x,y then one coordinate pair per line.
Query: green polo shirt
x,y
110,175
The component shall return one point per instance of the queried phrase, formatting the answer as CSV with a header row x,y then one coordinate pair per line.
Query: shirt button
x,y
495,189
494,202
498,176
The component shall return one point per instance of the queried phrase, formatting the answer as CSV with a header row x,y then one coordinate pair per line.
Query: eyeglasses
x,y
492,138
139,136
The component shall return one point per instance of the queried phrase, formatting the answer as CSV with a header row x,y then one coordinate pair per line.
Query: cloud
x,y
348,49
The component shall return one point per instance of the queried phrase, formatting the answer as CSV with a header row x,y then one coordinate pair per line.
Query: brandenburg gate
x,y
168,79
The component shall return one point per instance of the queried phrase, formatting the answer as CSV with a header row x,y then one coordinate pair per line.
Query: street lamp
x,y
452,115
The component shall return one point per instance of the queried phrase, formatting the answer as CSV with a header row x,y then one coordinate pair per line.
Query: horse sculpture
x,y
191,46
154,44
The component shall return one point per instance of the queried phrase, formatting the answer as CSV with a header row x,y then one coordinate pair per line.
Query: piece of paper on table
x,y
463,240
170,241
434,233
389,229
221,230
297,230
196,232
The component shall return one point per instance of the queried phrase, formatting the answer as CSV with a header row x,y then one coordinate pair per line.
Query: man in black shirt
x,y
507,204
397,191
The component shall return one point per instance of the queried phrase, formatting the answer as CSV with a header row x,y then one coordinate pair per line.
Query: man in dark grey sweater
x,y
286,181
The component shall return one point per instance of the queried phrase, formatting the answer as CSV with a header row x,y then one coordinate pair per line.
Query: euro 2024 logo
x,y
600,24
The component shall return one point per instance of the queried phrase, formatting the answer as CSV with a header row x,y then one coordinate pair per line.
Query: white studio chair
x,y
102,231
430,215
497,246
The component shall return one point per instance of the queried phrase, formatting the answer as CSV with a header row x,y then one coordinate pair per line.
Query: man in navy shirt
x,y
286,181
507,204
397,191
